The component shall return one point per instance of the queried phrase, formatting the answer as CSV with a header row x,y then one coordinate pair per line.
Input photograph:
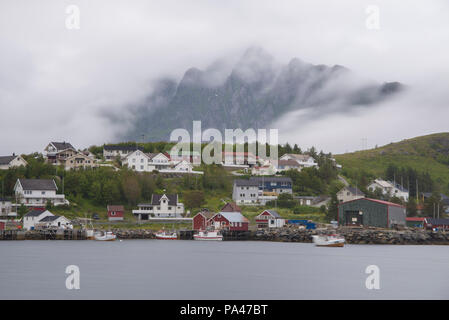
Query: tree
x,y
193,199
332,211
411,208
131,189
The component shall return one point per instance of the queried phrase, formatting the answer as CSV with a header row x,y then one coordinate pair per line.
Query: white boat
x,y
166,235
331,240
208,236
105,236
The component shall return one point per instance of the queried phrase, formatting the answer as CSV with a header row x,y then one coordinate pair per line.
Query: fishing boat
x,y
208,236
105,236
166,235
330,240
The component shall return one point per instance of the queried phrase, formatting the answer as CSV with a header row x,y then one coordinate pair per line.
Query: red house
x,y
233,221
269,216
201,218
115,213
432,223
231,207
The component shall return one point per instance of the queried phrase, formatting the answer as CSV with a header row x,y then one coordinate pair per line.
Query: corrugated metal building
x,y
371,212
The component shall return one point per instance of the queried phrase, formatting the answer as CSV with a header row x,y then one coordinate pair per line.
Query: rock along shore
x,y
358,236
287,234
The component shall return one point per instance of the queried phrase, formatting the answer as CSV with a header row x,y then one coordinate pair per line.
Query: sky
x,y
56,83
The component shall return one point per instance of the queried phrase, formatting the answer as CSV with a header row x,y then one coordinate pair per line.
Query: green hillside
x,y
425,154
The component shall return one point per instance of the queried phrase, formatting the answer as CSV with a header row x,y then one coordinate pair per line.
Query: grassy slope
x,y
419,153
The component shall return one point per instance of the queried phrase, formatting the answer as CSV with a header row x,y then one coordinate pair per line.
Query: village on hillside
x,y
44,191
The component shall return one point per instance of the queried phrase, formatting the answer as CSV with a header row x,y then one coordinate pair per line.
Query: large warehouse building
x,y
371,213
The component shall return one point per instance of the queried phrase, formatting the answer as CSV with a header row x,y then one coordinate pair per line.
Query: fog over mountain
x,y
254,93
128,70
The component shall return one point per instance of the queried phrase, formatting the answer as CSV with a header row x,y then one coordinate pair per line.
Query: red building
x,y
233,221
201,218
115,213
266,217
231,207
440,224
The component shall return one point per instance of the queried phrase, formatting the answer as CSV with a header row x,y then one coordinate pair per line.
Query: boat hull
x,y
166,238
202,238
331,245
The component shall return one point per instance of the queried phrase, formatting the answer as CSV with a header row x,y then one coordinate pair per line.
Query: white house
x,y
161,206
389,188
7,162
147,162
6,210
112,152
52,221
268,169
304,160
289,164
55,152
349,193
139,161
183,166
37,192
33,217
269,219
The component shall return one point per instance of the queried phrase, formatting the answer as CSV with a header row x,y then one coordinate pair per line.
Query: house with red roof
x,y
232,221
115,213
201,219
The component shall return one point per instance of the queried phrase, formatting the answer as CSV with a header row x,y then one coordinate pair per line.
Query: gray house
x,y
245,191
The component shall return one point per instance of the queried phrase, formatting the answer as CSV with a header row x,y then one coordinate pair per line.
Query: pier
x,y
49,234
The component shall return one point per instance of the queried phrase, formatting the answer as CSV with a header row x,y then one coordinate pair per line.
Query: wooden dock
x,y
49,234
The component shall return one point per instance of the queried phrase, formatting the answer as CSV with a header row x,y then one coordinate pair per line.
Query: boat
x,y
208,236
330,240
166,235
105,236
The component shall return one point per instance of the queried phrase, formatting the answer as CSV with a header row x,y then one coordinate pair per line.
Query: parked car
x,y
95,216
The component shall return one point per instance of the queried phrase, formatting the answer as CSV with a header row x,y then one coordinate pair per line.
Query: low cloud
x,y
58,84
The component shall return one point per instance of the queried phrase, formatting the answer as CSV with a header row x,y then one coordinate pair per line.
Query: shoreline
x,y
352,235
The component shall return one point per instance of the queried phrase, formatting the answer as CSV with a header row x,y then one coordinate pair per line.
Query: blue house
x,y
274,184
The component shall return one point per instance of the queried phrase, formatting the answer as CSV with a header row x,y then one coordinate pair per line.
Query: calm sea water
x,y
155,269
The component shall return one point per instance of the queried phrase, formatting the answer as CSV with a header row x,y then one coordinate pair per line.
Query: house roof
x,y
6,159
38,184
231,207
300,157
375,200
398,186
383,183
206,213
115,208
172,199
272,213
233,216
418,219
290,162
354,190
246,183
35,213
49,218
271,179
62,145
121,148
434,221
